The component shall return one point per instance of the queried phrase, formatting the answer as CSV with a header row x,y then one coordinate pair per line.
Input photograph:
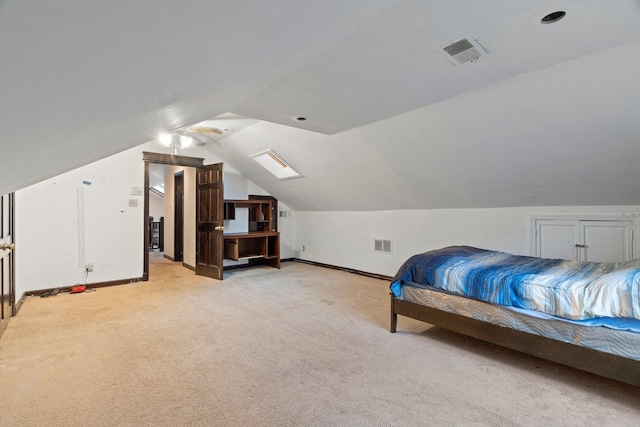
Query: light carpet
x,y
300,346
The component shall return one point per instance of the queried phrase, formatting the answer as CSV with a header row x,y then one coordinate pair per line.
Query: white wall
x,y
82,216
286,227
156,206
189,230
63,223
169,218
346,239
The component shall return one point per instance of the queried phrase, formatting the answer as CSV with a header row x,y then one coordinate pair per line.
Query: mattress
x,y
567,289
620,342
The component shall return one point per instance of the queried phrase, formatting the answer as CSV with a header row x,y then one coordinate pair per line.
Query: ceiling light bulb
x,y
185,141
165,139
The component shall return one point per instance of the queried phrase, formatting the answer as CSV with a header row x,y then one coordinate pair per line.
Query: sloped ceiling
x,y
548,117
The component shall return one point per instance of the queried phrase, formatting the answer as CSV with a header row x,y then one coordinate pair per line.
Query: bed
x,y
581,314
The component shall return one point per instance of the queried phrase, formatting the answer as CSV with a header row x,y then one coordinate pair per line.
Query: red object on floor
x,y
78,288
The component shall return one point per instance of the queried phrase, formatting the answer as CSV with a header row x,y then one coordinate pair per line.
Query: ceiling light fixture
x,y
185,137
177,139
165,139
185,141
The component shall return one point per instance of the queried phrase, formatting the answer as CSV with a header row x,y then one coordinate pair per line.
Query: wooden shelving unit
x,y
260,213
262,241
242,246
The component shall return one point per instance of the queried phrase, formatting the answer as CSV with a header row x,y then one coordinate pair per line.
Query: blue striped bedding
x,y
567,289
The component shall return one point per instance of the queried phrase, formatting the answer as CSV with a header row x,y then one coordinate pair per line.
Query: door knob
x,y
219,228
7,246
580,245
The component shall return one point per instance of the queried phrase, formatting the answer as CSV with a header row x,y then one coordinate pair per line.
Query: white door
x,y
607,241
583,239
556,239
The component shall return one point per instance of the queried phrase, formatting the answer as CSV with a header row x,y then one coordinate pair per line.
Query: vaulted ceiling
x,y
547,117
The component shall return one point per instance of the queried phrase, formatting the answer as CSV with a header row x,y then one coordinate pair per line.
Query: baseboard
x,y
348,270
168,257
320,264
19,303
89,286
189,267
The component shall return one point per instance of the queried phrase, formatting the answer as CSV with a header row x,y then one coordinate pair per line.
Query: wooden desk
x,y
257,244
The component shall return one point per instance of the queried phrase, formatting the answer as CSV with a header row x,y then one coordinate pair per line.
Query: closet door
x,y
606,241
557,238
571,238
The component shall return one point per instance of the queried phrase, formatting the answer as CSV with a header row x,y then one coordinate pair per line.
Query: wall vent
x,y
465,50
382,246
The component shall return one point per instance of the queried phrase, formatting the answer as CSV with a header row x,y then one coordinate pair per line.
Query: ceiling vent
x,y
465,50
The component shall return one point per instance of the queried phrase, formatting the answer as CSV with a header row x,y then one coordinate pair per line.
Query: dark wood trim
x,y
348,270
597,362
169,258
189,266
12,279
39,292
145,219
169,159
178,215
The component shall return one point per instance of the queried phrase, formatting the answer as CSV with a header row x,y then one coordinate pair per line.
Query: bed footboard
x,y
586,359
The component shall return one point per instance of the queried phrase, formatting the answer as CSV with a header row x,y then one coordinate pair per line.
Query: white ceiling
x,y
548,117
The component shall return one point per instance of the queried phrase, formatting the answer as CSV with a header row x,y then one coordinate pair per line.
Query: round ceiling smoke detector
x,y
553,17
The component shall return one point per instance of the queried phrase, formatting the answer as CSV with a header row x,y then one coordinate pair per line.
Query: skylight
x,y
275,164
158,188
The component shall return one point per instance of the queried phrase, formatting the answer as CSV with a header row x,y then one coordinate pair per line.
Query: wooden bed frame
x,y
594,361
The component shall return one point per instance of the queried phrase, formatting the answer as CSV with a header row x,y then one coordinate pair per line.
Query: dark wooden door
x,y
178,234
7,275
209,216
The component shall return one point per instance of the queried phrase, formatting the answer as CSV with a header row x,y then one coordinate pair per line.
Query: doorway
x,y
178,224
161,159
7,260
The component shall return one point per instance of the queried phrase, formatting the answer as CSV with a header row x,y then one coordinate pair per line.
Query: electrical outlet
x,y
88,267
303,249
